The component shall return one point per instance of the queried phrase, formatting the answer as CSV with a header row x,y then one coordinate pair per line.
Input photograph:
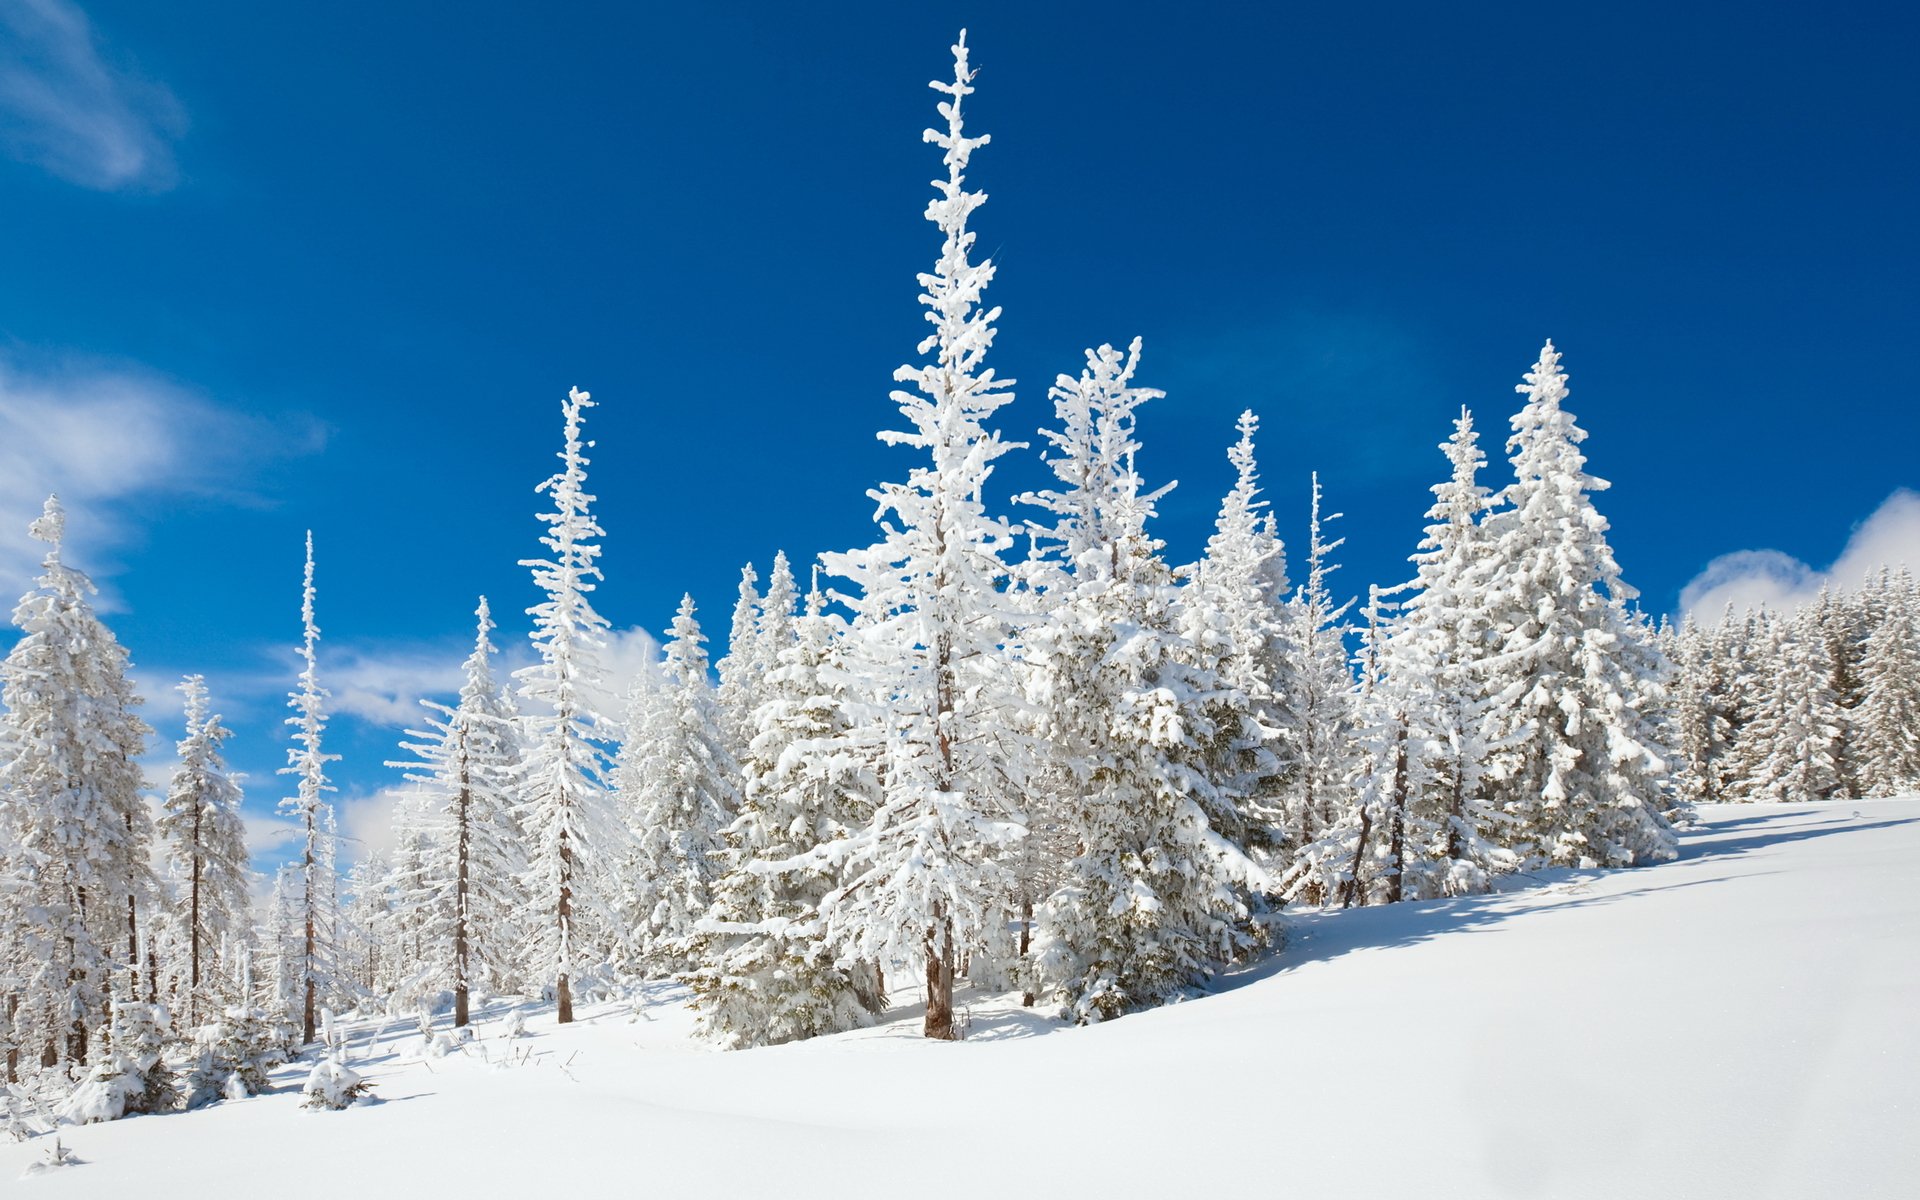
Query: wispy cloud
x,y
109,437
1776,580
67,107
384,685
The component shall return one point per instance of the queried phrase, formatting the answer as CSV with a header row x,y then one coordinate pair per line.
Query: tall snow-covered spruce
x,y
307,762
678,788
464,773
1149,903
765,975
565,796
1576,760
933,621
205,841
73,827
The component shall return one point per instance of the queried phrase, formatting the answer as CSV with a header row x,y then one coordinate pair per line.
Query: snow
x,y
1735,1023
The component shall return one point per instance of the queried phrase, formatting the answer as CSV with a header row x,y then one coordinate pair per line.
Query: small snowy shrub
x,y
235,1054
131,1077
332,1085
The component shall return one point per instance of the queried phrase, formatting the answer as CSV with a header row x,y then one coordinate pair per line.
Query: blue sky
x,y
276,267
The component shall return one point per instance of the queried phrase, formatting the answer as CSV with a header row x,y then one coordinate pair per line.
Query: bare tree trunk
x,y
562,993
193,929
1026,940
462,843
1352,886
13,1047
939,1022
77,1032
307,1011
1397,834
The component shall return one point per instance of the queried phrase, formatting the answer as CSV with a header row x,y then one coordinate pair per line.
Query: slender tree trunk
x,y
307,1013
462,840
13,1046
77,1032
1397,833
1352,886
562,994
193,928
939,1022
1026,940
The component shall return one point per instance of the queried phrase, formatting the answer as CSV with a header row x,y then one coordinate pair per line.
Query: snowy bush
x,y
235,1054
333,1085
132,1076
21,1116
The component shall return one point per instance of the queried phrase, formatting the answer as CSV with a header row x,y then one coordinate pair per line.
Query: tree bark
x,y
1397,834
463,845
939,1022
1026,940
562,993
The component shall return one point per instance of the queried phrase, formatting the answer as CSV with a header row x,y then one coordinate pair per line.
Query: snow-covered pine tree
x,y
463,770
1799,720
1152,900
1233,617
76,827
307,761
1888,716
679,789
1843,620
927,877
1746,644
564,799
1576,761
765,974
365,944
1362,856
739,681
206,843
1446,622
1702,701
1316,712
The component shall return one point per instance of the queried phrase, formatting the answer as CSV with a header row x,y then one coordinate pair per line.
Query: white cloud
x,y
267,834
66,108
386,687
1771,579
629,654
366,823
106,438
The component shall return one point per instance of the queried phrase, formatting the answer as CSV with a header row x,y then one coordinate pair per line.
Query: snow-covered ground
x,y
1738,1023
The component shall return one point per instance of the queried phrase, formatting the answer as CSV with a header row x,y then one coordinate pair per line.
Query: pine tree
x,y
1151,901
1799,718
1888,715
307,761
1704,723
564,799
1317,712
678,787
1576,760
1447,627
72,819
207,844
927,877
1233,615
739,678
466,883
765,973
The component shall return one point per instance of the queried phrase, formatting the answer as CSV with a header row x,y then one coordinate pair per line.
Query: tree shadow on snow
x,y
1329,933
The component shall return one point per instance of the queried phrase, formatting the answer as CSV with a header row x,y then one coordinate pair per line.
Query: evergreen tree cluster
x,y
1819,703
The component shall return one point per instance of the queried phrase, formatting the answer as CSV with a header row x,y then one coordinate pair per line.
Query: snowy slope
x,y
1738,1023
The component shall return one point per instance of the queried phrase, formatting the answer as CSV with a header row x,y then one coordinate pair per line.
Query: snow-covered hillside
x,y
1737,1023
